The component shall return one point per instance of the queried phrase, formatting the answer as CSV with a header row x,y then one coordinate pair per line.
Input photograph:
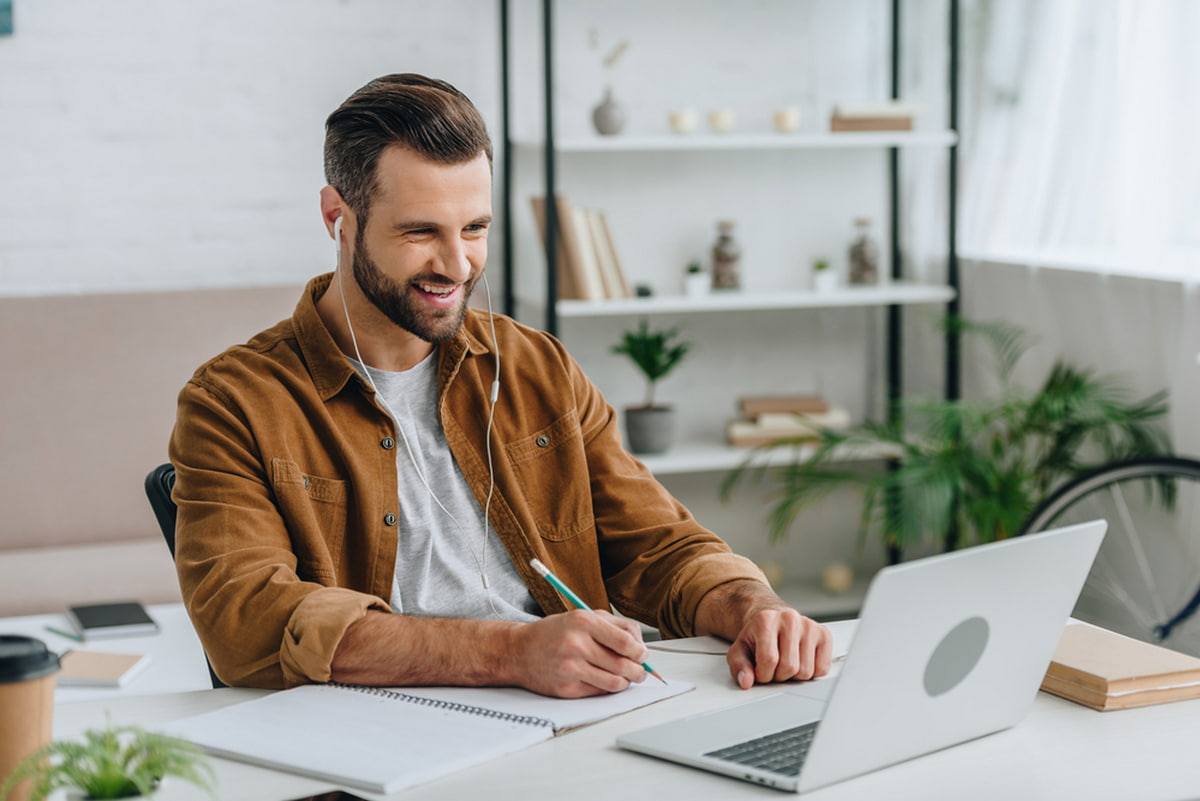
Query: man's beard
x,y
397,304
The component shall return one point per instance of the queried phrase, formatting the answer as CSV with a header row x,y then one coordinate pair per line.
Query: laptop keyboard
x,y
782,752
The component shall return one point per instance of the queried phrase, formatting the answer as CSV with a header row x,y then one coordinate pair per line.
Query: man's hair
x,y
428,116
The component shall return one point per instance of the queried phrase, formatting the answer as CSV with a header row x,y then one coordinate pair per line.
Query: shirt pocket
x,y
314,510
551,468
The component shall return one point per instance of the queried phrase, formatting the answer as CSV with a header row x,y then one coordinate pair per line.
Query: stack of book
x,y
1106,670
889,116
588,265
769,419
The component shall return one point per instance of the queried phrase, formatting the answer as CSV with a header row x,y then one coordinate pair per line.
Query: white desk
x,y
1062,751
176,656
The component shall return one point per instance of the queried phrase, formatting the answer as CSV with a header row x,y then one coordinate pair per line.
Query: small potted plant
x,y
649,426
116,762
824,278
695,281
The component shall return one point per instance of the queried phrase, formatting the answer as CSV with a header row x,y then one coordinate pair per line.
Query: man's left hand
x,y
771,641
779,644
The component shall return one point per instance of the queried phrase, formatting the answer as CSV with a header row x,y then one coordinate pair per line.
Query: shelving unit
x,y
698,455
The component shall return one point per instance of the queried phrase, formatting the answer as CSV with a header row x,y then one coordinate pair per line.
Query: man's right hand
x,y
577,654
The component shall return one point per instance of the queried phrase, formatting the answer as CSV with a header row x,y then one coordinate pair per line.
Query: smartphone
x,y
331,795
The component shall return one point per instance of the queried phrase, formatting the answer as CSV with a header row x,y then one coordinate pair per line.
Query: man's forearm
x,y
398,650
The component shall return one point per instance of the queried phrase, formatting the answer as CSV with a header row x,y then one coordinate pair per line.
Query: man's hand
x,y
578,653
779,644
771,641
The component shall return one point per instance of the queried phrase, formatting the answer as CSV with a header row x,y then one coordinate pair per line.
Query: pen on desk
x,y
66,634
576,601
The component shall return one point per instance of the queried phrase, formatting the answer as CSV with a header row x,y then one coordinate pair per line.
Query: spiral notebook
x,y
384,739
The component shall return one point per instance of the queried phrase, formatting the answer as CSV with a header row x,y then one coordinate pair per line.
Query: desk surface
x,y
1062,750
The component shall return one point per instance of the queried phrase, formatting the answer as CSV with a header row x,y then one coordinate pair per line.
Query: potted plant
x,y
965,472
116,762
650,425
824,278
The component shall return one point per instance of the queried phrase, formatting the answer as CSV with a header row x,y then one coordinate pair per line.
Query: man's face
x,y
425,242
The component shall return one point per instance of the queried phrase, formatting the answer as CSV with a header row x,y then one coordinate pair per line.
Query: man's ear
x,y
333,207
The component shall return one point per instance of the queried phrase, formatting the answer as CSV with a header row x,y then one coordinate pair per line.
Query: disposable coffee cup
x,y
27,672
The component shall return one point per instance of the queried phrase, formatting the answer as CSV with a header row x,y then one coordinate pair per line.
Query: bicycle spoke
x,y
1139,554
1115,590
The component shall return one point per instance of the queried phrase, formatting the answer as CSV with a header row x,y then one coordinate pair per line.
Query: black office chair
x,y
159,484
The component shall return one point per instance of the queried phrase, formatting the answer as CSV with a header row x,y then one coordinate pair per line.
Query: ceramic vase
x,y
608,116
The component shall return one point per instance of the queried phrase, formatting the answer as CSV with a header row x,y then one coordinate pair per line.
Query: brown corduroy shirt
x,y
286,486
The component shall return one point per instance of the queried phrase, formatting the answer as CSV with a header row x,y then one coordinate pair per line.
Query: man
x,y
359,499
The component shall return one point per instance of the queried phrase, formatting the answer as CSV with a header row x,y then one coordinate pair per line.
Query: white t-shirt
x,y
439,562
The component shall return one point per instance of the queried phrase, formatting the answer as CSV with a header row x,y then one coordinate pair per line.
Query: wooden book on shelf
x,y
615,284
753,406
1106,670
577,231
838,123
568,287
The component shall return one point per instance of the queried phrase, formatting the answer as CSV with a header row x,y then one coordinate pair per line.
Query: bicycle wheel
x,y
1145,581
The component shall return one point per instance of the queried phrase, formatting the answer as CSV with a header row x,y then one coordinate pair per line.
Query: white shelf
x,y
764,141
705,457
885,295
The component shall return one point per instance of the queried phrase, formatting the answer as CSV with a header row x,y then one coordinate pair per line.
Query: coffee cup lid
x,y
25,659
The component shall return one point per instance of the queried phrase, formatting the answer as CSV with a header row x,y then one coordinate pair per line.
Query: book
x,y
115,619
1105,670
615,283
582,247
837,123
771,427
884,109
581,260
567,289
99,668
751,407
385,739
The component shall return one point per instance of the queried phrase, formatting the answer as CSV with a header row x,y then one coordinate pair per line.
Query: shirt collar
x,y
328,366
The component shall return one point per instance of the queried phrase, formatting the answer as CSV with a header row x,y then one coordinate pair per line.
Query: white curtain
x,y
1080,187
1080,121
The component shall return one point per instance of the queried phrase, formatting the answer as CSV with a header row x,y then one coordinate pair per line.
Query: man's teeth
x,y
436,289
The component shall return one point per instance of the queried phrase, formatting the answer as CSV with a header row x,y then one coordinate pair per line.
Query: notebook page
x,y
564,713
355,738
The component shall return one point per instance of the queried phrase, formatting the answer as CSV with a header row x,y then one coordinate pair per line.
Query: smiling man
x,y
361,487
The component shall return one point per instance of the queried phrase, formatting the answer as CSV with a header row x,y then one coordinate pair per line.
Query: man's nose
x,y
455,263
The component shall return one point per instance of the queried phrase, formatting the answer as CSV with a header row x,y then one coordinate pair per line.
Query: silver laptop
x,y
947,649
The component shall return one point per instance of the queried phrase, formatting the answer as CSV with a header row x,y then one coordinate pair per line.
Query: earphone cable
x,y
479,563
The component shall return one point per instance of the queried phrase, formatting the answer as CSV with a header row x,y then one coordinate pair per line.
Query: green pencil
x,y
575,600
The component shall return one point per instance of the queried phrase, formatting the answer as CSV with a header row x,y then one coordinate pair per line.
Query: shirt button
x,y
389,519
388,443
542,441
307,483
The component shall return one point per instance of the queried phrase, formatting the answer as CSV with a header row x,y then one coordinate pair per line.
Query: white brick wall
x,y
173,144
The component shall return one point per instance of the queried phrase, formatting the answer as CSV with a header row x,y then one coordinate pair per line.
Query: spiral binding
x,y
452,706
